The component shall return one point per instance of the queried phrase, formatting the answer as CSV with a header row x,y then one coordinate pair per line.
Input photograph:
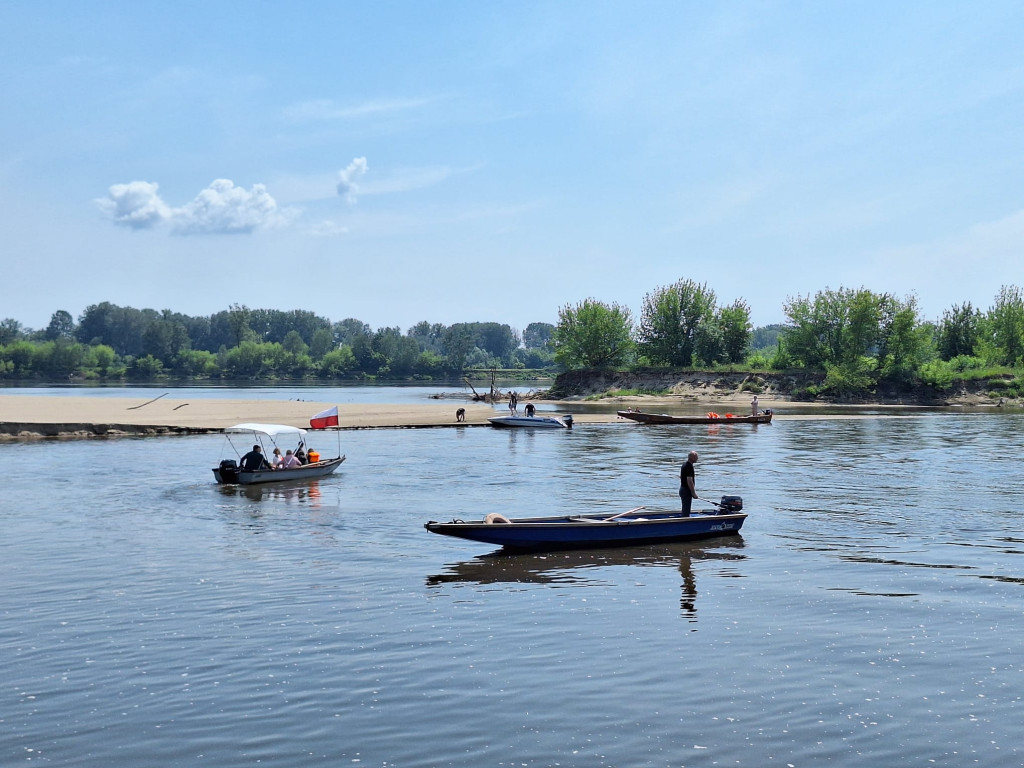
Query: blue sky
x,y
467,161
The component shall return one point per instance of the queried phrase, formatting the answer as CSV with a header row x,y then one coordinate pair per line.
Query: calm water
x,y
870,614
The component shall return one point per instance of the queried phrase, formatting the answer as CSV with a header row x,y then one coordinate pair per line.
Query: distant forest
x,y
858,338
109,342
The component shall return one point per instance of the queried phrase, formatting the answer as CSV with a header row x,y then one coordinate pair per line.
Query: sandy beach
x,y
26,416
34,416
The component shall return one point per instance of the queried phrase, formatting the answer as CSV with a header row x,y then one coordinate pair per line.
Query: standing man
x,y
753,406
687,490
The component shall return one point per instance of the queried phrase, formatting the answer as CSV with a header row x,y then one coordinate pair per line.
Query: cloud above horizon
x,y
347,187
221,208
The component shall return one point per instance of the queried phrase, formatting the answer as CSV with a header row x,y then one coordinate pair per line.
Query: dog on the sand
x,y
460,414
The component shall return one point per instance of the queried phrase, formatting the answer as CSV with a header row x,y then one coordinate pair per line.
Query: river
x,y
869,614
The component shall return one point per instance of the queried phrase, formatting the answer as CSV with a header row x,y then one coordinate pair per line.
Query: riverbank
x,y
707,388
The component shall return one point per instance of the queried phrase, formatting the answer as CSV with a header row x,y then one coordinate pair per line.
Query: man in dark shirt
x,y
254,460
687,490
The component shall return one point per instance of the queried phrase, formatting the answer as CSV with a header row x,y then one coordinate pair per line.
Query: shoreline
x,y
33,417
38,416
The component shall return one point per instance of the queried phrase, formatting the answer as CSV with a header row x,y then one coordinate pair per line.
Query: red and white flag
x,y
324,419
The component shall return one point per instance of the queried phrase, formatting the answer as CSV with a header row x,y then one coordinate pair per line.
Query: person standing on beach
x,y
687,477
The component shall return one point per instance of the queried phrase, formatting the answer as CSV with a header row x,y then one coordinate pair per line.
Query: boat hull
x,y
664,418
578,531
531,422
305,472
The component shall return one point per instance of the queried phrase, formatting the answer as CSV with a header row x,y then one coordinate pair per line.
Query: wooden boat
x,y
533,422
228,471
764,417
637,526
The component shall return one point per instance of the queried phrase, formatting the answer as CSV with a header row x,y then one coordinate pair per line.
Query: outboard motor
x,y
229,470
730,505
568,420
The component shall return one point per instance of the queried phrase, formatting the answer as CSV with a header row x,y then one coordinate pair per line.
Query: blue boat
x,y
635,526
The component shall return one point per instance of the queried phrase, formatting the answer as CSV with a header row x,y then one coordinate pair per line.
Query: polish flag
x,y
324,419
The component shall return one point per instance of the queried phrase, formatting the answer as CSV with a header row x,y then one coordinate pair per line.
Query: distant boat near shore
x,y
764,417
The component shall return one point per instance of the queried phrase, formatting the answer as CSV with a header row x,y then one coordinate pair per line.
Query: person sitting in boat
x,y
313,456
300,454
290,461
254,460
278,458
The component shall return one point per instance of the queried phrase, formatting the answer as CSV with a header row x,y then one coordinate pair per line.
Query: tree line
x,y
109,342
858,338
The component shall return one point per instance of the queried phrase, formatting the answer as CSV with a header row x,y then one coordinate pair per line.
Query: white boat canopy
x,y
273,430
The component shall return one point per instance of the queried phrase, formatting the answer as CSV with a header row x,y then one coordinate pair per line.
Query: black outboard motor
x,y
730,505
568,420
229,471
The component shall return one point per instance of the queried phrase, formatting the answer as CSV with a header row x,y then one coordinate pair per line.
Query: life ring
x,y
496,517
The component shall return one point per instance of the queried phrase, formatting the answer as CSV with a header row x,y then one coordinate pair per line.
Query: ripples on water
x,y
869,614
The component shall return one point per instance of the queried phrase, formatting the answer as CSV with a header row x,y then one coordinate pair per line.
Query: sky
x,y
495,162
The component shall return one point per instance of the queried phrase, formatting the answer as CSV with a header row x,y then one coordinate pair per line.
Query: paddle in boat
x,y
635,526
764,417
267,436
533,422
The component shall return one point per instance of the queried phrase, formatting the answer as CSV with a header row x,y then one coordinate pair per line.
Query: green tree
x,y
593,335
457,344
346,330
145,368
736,328
238,319
103,359
835,328
1006,324
20,357
293,343
338,363
60,358
10,331
672,321
538,336
62,326
322,343
959,331
429,336
906,342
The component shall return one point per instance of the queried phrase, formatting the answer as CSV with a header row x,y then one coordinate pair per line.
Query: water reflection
x,y
588,567
298,492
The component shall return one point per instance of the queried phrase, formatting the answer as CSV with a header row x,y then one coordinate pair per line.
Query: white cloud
x,y
347,186
136,204
221,208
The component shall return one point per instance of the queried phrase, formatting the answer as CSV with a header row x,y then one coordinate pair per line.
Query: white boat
x,y
533,422
228,472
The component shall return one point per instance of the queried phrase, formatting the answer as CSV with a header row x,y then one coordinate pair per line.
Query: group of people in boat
x,y
254,460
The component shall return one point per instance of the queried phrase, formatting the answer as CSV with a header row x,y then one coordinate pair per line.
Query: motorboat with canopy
x,y
268,437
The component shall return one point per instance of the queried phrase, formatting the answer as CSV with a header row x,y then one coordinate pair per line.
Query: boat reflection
x,y
581,567
299,492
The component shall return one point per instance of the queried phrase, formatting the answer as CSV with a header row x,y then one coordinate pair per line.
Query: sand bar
x,y
34,415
